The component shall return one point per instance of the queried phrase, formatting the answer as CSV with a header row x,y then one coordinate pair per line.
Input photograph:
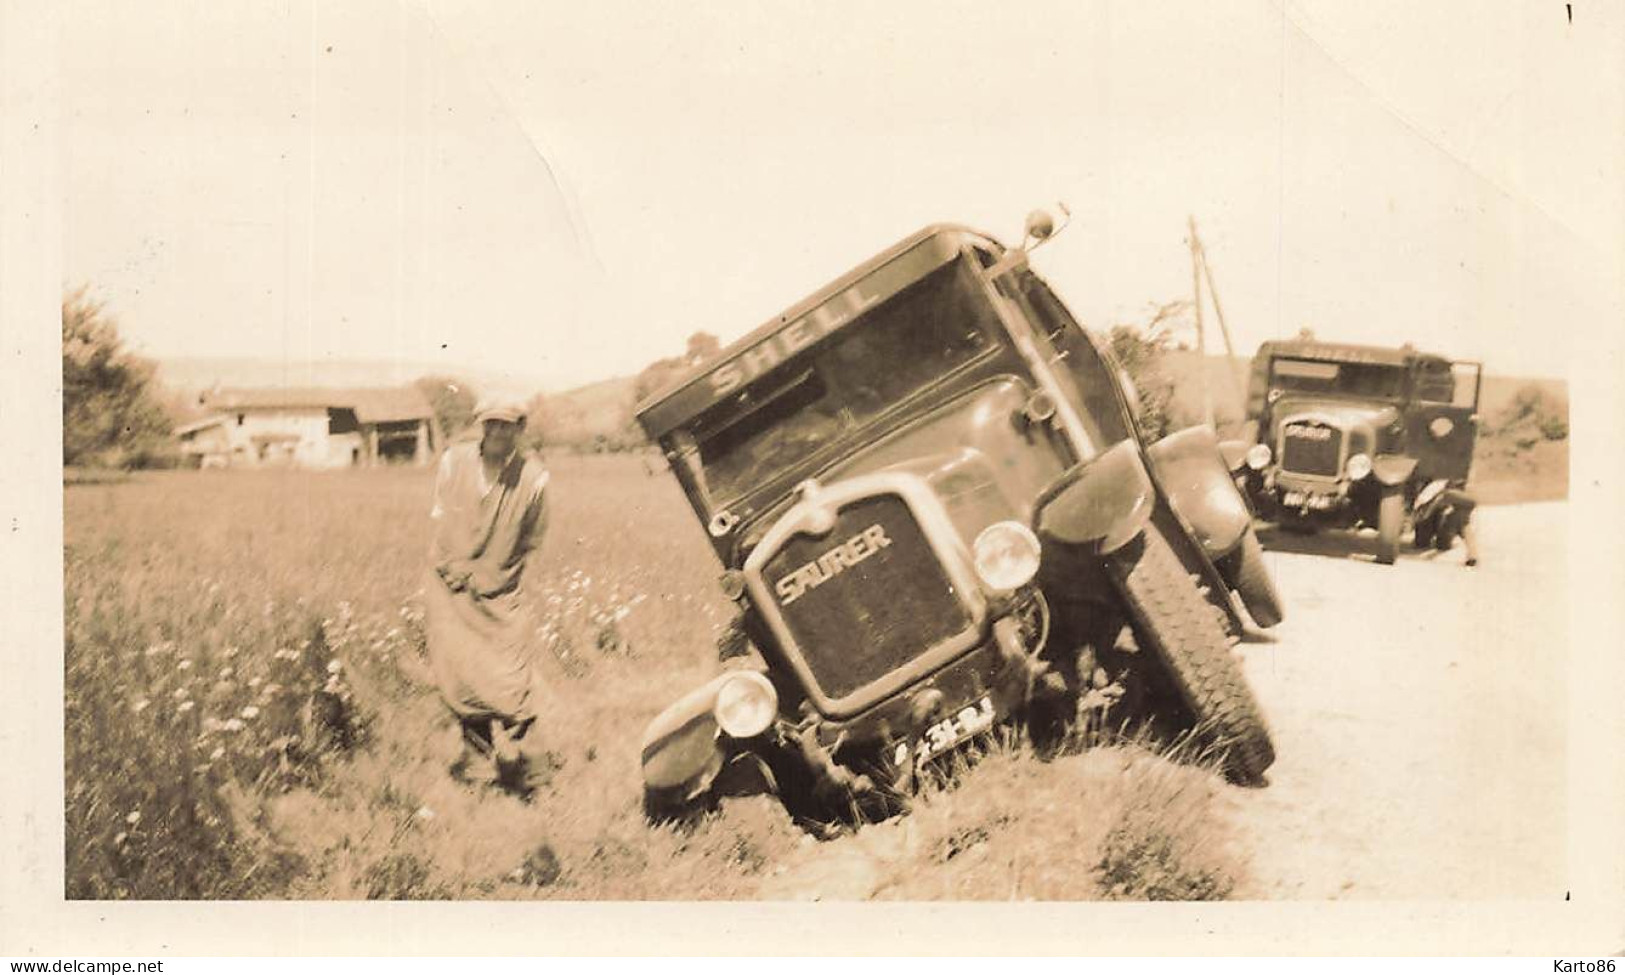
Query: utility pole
x,y
1202,271
1201,337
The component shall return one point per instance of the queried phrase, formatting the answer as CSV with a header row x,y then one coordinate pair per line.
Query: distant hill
x,y
598,414
196,374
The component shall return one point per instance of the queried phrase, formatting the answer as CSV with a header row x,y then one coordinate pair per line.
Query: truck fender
x,y
1392,470
1234,453
1104,502
682,747
1196,474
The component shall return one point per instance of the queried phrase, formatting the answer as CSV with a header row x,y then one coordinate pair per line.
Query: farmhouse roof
x,y
196,425
376,405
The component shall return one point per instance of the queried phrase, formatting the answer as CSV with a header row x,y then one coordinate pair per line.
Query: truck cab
x,y
1347,435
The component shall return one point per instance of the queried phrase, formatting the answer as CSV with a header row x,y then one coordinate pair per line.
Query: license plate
x,y
942,736
1301,499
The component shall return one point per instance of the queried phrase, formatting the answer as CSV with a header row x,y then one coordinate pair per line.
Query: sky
x,y
563,192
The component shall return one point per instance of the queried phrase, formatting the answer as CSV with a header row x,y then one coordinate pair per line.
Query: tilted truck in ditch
x,y
933,507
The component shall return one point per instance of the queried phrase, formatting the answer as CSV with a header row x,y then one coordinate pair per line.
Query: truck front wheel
x,y
1174,625
1390,517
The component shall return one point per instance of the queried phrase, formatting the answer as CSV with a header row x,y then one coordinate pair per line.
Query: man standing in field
x,y
490,512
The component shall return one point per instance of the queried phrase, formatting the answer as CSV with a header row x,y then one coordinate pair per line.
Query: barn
x,y
312,428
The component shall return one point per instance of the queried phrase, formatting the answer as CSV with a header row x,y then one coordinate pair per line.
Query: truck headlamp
x,y
732,584
1441,427
1358,466
1258,456
1006,555
746,705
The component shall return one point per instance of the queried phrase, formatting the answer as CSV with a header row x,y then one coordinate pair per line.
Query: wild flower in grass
x,y
134,817
140,705
229,652
185,706
227,673
334,666
254,682
250,713
120,838
232,724
217,754
180,693
185,664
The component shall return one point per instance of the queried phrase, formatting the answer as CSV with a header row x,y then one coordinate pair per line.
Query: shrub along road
x,y
1419,716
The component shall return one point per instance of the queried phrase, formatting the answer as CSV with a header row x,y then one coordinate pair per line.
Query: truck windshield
x,y
924,332
1338,378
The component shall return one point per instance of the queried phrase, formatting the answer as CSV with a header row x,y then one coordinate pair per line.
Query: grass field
x,y
248,715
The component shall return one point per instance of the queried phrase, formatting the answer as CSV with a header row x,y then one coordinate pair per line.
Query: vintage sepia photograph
x,y
831,455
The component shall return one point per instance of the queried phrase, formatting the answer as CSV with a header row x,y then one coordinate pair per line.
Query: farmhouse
x,y
312,428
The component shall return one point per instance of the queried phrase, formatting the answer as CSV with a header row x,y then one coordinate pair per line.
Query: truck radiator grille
x,y
1311,448
866,598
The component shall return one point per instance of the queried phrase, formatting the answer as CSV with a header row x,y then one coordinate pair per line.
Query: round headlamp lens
x,y
1258,456
1441,427
746,705
1006,555
732,583
1358,466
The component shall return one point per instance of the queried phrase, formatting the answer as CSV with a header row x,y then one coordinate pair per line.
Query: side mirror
x,y
1040,225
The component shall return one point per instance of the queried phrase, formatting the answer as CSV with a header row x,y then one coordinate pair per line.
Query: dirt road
x,y
1418,712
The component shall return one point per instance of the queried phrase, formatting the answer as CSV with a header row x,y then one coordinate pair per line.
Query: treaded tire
x,y
1254,584
664,808
1390,519
1174,624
